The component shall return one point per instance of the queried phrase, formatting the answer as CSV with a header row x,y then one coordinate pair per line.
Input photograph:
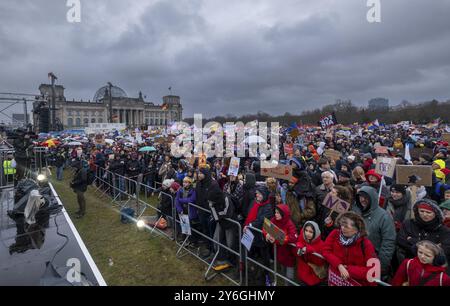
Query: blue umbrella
x,y
147,149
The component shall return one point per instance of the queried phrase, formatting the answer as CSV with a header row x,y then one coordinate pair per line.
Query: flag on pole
x,y
382,183
407,154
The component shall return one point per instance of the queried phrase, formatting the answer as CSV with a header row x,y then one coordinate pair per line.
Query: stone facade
x,y
134,112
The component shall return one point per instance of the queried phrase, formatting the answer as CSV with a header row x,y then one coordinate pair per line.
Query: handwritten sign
x,y
335,204
288,148
234,166
283,172
185,225
385,166
411,175
335,279
274,231
332,154
247,239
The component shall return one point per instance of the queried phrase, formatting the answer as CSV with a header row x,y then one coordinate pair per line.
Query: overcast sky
x,y
233,56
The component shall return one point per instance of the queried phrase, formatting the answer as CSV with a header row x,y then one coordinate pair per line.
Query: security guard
x,y
9,170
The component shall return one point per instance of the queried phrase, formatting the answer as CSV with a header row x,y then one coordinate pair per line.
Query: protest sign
x,y
385,166
234,166
410,175
274,231
327,121
185,225
283,172
332,154
335,279
335,204
202,160
247,239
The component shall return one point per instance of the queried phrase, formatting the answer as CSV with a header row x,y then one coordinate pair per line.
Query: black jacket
x,y
79,182
117,166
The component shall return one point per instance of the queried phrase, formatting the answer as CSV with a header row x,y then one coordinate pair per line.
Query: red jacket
x,y
417,272
285,255
352,256
304,271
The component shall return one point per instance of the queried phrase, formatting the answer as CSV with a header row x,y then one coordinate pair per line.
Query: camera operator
x,y
23,147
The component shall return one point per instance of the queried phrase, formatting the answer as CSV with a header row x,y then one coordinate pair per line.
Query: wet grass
x,y
138,257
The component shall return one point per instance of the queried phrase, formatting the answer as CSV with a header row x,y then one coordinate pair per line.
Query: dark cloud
x,y
231,56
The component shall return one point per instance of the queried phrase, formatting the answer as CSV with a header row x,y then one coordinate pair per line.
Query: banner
x,y
234,166
411,175
327,121
283,172
385,166
274,231
335,204
335,279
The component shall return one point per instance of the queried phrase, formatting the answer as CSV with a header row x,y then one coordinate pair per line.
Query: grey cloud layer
x,y
231,56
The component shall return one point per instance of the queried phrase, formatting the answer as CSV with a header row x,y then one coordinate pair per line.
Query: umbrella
x,y
110,141
49,143
147,149
74,143
255,139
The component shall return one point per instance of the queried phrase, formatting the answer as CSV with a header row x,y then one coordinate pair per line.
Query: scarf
x,y
253,214
344,241
400,208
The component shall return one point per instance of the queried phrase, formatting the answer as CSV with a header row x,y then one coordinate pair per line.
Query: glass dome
x,y
117,92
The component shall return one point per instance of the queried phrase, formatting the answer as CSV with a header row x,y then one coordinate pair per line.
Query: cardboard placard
x,y
335,204
283,172
408,175
234,166
332,154
385,166
446,137
274,231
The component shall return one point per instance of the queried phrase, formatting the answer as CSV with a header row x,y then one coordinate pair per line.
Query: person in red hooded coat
x,y
285,256
426,269
348,250
373,179
309,248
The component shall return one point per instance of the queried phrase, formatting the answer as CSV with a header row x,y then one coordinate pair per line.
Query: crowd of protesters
x,y
405,227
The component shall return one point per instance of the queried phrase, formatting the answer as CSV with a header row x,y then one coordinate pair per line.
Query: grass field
x,y
138,258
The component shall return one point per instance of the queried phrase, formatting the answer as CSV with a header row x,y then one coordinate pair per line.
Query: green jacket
x,y
380,227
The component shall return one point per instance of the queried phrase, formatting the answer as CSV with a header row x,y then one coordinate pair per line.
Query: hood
x,y
373,195
434,206
285,215
440,163
250,180
373,173
298,162
317,232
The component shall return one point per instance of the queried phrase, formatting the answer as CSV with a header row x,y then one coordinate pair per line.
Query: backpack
x,y
90,176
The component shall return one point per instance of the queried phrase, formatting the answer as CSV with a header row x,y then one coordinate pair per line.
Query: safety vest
x,y
7,168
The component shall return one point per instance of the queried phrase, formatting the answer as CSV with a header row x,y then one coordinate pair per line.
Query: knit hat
x,y
428,205
175,186
399,188
167,183
445,205
344,174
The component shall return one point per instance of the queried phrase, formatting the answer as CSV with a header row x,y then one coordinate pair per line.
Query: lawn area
x,y
138,258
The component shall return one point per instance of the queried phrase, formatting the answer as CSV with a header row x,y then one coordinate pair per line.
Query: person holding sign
x,y
347,250
380,226
311,269
285,256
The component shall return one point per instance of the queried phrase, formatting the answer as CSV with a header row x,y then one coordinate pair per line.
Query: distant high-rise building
x,y
378,104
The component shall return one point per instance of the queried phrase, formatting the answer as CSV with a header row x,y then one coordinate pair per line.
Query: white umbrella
x,y
254,139
74,143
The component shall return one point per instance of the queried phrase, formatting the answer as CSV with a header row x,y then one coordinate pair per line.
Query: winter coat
x,y
355,256
264,211
417,230
249,189
285,255
302,209
416,273
79,182
182,206
395,208
117,167
380,227
305,272
133,168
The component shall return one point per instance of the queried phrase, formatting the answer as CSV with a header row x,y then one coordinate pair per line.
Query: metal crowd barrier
x,y
117,185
